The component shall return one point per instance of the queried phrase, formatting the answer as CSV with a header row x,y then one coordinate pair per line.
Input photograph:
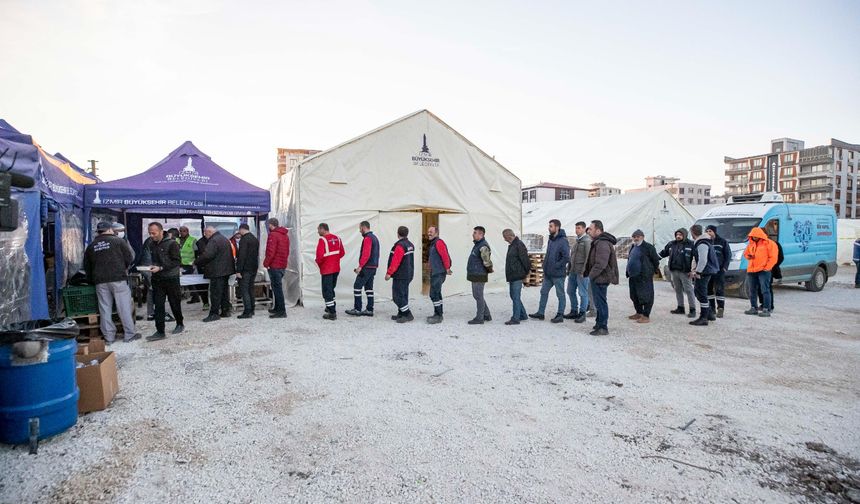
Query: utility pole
x,y
92,163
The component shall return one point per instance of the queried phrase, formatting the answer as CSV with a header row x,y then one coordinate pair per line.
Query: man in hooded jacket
x,y
680,254
555,264
717,287
762,255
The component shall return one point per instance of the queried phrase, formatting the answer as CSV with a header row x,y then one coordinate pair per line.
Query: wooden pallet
x,y
535,276
89,325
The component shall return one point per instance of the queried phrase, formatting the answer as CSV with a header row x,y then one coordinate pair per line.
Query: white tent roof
x,y
656,213
698,211
389,176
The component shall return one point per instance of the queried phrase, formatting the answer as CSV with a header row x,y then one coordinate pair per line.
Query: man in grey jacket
x,y
576,282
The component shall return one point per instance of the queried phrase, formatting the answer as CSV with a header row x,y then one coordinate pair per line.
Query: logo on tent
x,y
98,199
187,174
424,157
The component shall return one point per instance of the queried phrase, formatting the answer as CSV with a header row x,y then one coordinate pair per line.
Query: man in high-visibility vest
x,y
186,251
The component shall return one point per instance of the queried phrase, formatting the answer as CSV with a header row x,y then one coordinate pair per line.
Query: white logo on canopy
x,y
187,174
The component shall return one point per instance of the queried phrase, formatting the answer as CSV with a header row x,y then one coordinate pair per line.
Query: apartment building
x,y
548,191
599,189
685,192
290,158
826,174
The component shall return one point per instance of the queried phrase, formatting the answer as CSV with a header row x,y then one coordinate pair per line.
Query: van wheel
x,y
743,291
819,279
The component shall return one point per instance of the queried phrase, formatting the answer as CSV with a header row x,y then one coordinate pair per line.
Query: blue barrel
x,y
47,391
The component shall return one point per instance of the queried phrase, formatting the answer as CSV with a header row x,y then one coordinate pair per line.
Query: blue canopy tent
x,y
186,183
51,223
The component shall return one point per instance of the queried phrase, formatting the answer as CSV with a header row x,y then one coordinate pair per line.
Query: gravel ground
x,y
366,410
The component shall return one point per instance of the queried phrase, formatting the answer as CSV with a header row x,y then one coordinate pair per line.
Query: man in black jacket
x,y
199,248
106,262
247,264
717,286
166,259
680,254
517,266
642,262
219,264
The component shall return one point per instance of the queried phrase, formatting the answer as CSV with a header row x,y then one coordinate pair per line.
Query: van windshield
x,y
734,230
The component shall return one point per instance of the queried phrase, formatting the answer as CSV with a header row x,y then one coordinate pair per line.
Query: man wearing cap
x,y
106,262
717,285
247,264
642,262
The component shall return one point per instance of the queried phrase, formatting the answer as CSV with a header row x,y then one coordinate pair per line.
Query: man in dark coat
x,y
478,268
247,264
717,287
555,266
642,262
517,266
199,248
602,270
680,254
165,260
218,264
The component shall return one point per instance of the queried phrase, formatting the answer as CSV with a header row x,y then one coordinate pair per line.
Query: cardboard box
x,y
97,345
83,349
98,383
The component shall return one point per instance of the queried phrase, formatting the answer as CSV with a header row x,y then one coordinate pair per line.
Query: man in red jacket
x,y
277,254
329,252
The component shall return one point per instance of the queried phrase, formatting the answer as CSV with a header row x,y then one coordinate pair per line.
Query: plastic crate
x,y
80,300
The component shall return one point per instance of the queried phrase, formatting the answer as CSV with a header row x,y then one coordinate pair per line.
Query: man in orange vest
x,y
761,255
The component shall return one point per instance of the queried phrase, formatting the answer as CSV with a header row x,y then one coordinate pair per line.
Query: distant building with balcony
x,y
548,191
826,174
290,158
684,192
599,189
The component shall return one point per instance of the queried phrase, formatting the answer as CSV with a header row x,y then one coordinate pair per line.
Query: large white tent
x,y
415,172
656,213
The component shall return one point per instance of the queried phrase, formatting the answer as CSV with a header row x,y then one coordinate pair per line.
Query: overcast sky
x,y
570,92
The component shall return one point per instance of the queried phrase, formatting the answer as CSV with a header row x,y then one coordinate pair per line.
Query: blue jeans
x,y
577,284
546,286
515,288
601,305
760,282
276,276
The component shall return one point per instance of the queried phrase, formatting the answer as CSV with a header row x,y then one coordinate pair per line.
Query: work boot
x,y
702,320
678,311
643,320
353,312
600,332
211,318
488,317
692,313
513,321
367,313
538,316
571,315
635,316
407,317
751,311
711,315
764,313
245,316
156,336
435,319
559,318
278,315
225,314
178,329
581,318
395,317
272,310
330,315
719,312
475,321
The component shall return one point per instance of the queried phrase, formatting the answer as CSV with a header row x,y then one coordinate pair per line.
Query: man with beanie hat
x,y
717,286
642,262
680,254
706,265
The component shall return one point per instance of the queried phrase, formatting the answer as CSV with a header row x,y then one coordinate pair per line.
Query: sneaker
x,y
406,318
692,313
134,337
571,315
599,332
367,313
330,315
278,315
435,319
581,318
353,312
678,311
512,322
559,318
635,316
719,312
211,318
751,311
156,336
538,316
245,316
475,321
699,322
643,320
178,329
764,313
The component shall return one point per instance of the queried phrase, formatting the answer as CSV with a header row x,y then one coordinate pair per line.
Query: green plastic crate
x,y
80,300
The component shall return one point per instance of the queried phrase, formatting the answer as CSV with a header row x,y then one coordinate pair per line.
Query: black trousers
x,y
436,281
364,281
219,295
400,295
642,295
700,288
329,283
246,291
717,290
166,288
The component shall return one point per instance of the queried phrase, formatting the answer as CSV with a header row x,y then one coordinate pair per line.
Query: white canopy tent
x,y
656,213
416,171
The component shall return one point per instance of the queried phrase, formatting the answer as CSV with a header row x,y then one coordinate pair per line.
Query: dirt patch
x,y
234,357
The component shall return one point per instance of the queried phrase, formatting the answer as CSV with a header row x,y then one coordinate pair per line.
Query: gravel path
x,y
366,410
